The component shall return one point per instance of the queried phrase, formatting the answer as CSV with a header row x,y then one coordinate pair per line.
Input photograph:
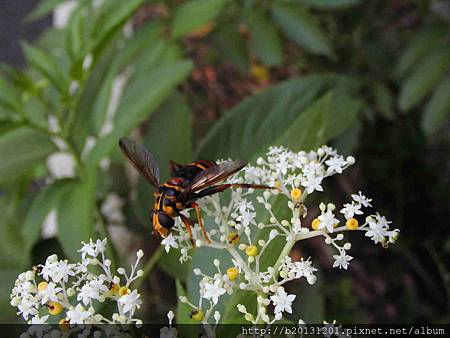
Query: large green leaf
x,y
419,47
437,110
259,121
232,46
425,76
74,34
193,14
48,66
9,97
44,202
92,106
299,26
136,105
113,14
11,250
75,214
22,149
264,43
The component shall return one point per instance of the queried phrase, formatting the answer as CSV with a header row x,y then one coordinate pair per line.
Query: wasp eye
x,y
150,215
165,220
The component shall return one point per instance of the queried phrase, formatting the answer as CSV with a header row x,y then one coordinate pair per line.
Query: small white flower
x,y
282,301
169,242
327,221
50,293
78,315
312,183
342,260
130,301
363,200
213,291
62,271
39,320
351,209
335,164
27,306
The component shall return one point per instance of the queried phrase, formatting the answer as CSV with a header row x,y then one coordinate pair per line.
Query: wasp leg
x,y
188,227
198,211
218,188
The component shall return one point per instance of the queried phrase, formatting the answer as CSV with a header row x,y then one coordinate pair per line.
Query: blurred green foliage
x,y
349,64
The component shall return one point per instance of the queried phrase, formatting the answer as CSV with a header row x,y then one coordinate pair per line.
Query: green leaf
x,y
384,100
183,310
263,117
22,148
75,215
74,34
9,97
308,130
12,243
113,14
437,110
43,203
419,47
44,8
48,66
343,113
264,43
92,106
135,107
232,46
424,78
299,26
193,14
329,4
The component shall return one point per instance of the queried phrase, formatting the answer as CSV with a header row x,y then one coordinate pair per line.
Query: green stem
x,y
148,267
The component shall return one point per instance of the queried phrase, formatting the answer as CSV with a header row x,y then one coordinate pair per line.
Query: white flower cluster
x,y
72,293
247,222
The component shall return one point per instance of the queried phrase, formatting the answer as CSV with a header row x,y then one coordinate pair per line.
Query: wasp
x,y
186,185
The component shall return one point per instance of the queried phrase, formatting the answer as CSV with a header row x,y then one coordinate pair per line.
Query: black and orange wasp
x,y
186,185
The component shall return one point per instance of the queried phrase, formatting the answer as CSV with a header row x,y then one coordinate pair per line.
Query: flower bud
x,y
54,308
42,286
232,273
251,250
352,224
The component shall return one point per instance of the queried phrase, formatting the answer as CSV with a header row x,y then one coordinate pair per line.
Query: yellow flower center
x,y
124,291
277,184
315,224
296,194
232,273
54,308
42,286
233,238
352,224
251,250
197,314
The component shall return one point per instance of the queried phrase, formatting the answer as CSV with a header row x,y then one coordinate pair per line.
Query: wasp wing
x,y
142,159
216,174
